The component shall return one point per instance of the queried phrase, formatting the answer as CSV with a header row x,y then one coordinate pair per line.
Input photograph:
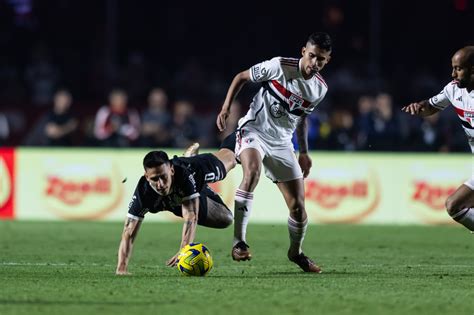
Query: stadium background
x,y
63,198
173,64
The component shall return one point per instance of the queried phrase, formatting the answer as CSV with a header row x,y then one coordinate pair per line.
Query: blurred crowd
x,y
154,75
374,123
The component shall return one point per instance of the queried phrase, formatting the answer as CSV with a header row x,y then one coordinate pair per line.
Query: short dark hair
x,y
320,39
155,159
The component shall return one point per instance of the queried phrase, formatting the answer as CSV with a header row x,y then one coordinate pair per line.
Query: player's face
x,y
160,178
314,59
462,72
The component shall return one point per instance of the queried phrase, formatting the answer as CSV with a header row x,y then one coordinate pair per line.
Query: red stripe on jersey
x,y
464,115
320,78
459,111
288,94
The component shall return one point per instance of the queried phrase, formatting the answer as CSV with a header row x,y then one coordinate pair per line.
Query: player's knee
x,y
225,220
251,177
231,164
228,219
297,209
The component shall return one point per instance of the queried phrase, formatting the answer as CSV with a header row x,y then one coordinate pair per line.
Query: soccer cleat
x,y
305,263
192,150
240,251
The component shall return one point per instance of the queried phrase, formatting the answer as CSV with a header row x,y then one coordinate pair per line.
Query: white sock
x,y
297,231
465,217
242,209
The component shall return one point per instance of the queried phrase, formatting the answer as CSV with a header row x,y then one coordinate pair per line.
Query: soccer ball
x,y
194,260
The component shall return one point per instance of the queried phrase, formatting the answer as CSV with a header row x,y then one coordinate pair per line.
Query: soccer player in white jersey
x,y
460,94
291,89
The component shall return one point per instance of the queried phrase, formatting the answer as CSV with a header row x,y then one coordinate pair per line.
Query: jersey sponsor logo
x,y
192,180
277,110
134,198
258,72
459,99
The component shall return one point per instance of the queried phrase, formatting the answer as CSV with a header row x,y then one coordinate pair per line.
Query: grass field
x,y
68,268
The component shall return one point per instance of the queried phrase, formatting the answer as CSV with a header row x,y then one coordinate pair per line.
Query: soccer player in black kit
x,y
178,185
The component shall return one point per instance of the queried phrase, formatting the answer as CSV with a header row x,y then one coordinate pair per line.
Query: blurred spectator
x,y
116,125
185,128
60,123
156,120
429,135
318,131
384,132
4,128
365,107
342,132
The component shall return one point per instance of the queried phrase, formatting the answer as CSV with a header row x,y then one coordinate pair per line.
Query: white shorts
x,y
470,183
279,161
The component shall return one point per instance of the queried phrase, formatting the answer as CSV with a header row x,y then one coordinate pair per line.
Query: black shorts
x,y
207,168
207,192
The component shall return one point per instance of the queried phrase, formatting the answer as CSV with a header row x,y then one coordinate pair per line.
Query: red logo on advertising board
x,y
7,189
349,198
83,191
429,197
72,192
432,195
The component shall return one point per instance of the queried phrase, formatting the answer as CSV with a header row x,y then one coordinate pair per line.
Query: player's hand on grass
x,y
172,261
305,163
414,108
221,119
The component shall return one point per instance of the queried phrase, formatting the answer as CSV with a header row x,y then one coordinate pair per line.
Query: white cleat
x,y
192,150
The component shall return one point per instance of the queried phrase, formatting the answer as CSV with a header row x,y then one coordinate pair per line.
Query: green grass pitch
x,y
68,268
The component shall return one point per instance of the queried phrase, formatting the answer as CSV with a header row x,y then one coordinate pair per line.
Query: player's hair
x,y
320,39
155,159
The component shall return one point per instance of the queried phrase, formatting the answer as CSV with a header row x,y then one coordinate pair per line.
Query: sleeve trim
x,y
195,195
134,217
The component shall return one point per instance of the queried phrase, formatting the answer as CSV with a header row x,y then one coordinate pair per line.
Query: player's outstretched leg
x,y
293,192
192,150
251,165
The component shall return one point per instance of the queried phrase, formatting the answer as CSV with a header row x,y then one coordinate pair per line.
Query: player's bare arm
x,y
190,209
422,108
130,231
302,136
237,83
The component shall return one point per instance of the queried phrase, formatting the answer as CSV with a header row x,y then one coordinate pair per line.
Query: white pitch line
x,y
11,263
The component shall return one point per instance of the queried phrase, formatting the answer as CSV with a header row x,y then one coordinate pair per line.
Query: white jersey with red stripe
x,y
281,101
463,103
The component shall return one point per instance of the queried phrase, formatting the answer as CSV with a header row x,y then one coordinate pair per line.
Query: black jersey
x,y
190,179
